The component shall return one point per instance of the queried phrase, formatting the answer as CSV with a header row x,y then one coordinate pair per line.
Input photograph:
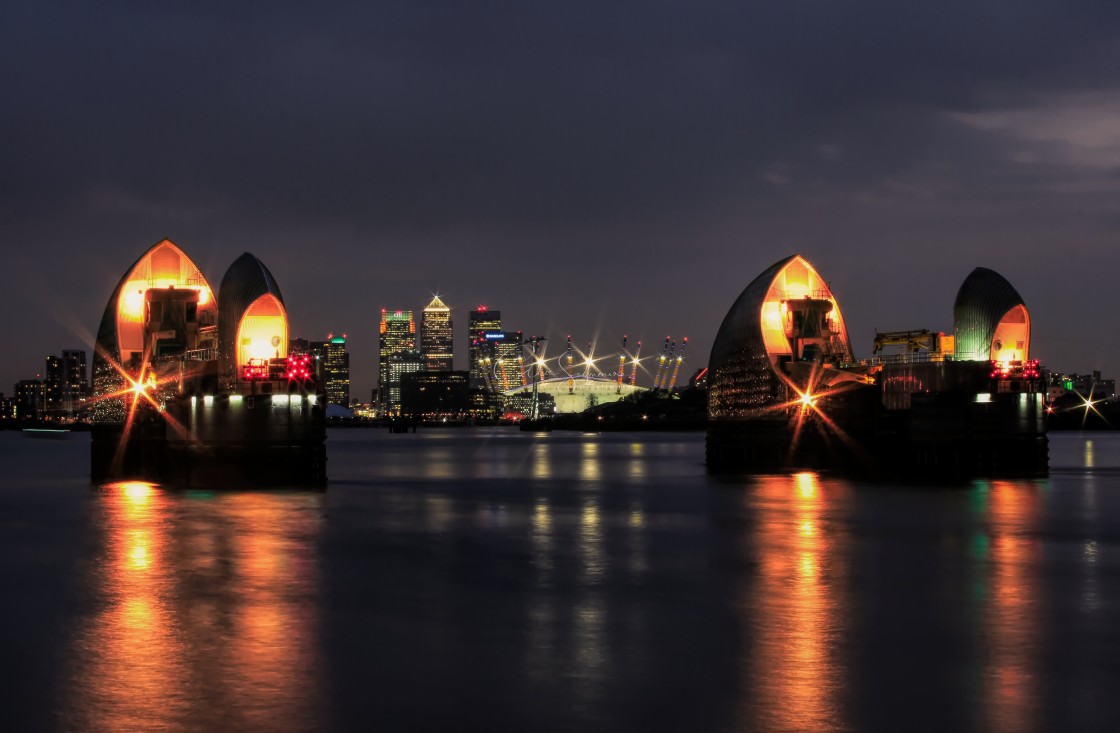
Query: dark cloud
x,y
621,167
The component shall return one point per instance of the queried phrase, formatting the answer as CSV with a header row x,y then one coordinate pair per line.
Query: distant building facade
x,y
435,396
397,356
52,385
335,361
437,337
1089,386
75,381
30,399
65,383
506,359
480,321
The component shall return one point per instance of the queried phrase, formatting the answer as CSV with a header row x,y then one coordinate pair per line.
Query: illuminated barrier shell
x,y
120,336
252,319
990,320
745,370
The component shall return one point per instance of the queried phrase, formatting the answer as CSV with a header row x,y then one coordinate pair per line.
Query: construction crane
x,y
621,365
661,363
634,364
590,360
677,367
914,341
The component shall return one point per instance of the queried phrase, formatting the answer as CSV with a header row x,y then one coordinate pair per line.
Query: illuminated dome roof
x,y
746,369
253,322
990,320
585,392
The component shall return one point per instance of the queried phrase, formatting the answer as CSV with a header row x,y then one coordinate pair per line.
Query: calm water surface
x,y
475,580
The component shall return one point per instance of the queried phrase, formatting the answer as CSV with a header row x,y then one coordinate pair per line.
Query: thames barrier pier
x,y
786,391
196,390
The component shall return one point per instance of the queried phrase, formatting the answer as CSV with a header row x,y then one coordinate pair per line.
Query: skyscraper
x,y
335,360
75,380
437,337
507,359
481,321
398,355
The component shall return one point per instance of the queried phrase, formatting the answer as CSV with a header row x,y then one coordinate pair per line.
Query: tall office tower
x,y
335,371
52,384
75,380
437,337
482,320
506,362
398,355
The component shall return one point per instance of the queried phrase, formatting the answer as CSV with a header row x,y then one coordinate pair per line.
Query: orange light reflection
x,y
798,612
1013,611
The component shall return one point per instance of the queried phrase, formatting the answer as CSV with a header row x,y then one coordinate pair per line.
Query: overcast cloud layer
x,y
586,168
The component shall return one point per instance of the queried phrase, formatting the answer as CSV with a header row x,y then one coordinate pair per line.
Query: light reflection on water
x,y
205,614
1013,612
614,588
796,611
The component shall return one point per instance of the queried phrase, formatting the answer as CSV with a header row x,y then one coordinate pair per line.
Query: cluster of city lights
x,y
1015,369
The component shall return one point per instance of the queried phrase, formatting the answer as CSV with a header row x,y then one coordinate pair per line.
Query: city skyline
x,y
626,175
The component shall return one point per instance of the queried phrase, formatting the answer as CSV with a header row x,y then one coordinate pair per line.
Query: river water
x,y
498,581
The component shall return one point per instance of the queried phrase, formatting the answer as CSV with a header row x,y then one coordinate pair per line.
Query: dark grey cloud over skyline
x,y
587,168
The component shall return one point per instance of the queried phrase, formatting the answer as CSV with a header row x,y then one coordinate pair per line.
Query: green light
x,y
1068,384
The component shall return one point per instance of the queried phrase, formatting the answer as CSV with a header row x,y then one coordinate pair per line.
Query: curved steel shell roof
x,y
246,280
984,299
743,371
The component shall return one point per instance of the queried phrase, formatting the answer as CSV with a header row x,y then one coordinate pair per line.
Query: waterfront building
x,y
481,321
52,385
397,356
75,380
519,405
435,396
437,337
1089,386
30,399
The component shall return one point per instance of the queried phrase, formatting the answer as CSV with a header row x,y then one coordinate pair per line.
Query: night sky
x,y
585,167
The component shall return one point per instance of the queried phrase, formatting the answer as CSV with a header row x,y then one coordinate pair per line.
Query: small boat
x,y
47,433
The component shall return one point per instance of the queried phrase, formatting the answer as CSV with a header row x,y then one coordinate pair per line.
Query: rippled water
x,y
475,580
